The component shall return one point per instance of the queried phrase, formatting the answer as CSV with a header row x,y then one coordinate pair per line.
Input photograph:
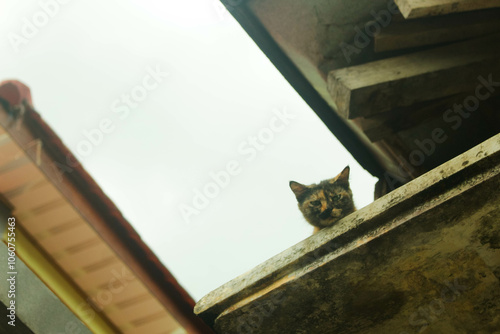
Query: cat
x,y
325,203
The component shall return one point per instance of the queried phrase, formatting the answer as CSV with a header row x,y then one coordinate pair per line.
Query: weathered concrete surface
x,y
312,32
322,35
424,257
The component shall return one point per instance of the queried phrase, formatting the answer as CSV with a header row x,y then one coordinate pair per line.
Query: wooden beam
x,y
436,30
421,8
383,85
384,125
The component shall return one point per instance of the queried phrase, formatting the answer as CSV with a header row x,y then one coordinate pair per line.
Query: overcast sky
x,y
182,120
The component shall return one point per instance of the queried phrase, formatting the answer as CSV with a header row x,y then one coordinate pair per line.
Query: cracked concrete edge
x,y
362,223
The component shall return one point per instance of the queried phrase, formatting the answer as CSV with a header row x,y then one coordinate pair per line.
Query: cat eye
x,y
316,203
337,197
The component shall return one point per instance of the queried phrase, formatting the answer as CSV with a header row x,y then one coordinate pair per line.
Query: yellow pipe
x,y
51,276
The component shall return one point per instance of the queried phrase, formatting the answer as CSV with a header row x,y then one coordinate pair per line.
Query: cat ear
x,y
343,177
298,189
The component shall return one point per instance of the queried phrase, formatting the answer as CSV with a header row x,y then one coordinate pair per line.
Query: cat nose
x,y
325,214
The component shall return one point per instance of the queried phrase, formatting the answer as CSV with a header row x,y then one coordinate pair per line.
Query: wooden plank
x,y
18,177
35,197
84,258
381,126
100,277
134,289
436,30
383,85
421,8
9,151
36,222
135,311
60,241
160,325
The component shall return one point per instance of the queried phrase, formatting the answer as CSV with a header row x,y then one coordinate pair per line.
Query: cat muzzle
x,y
330,213
325,214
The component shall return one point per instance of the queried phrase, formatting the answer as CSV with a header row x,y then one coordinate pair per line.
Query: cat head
x,y
325,203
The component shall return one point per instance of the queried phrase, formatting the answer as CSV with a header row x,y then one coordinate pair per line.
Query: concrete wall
x,y
424,257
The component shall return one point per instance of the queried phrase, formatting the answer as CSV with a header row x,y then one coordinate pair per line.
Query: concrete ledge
x,y
426,255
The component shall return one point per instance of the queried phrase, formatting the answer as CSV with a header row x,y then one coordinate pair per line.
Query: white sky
x,y
220,90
